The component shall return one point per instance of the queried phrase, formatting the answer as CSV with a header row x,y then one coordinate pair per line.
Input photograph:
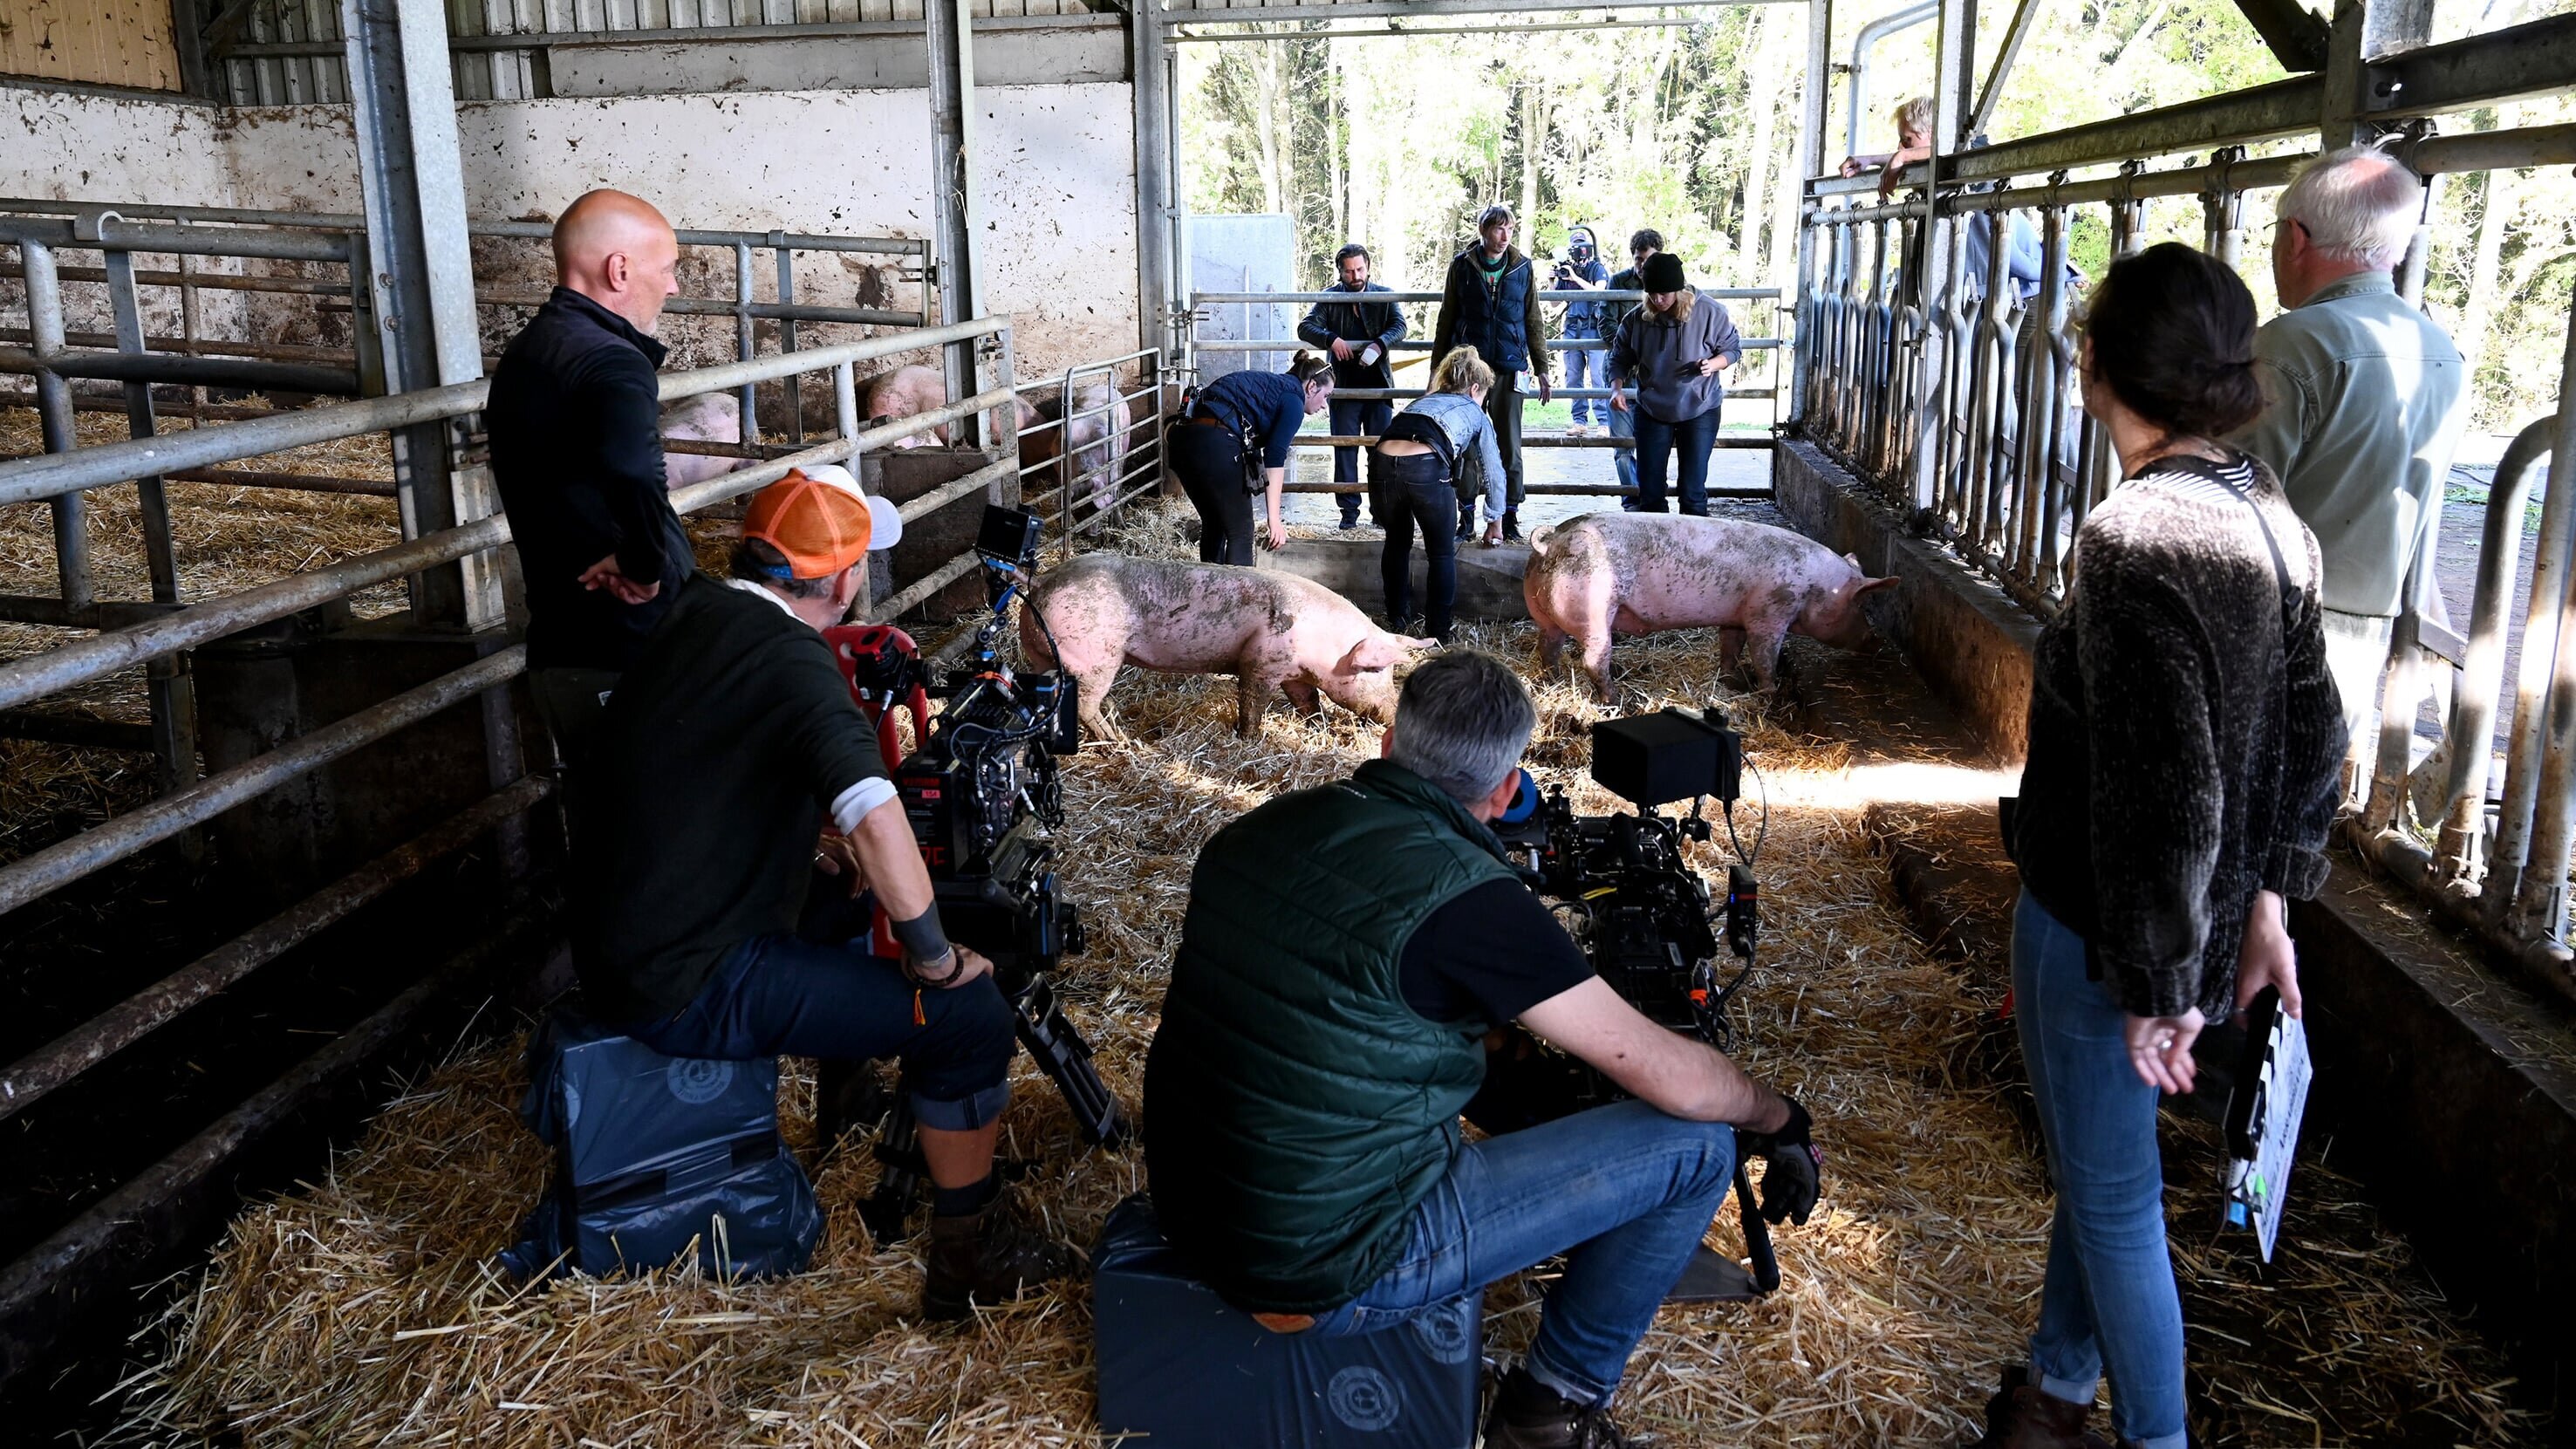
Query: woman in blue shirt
x,y
1414,477
1238,417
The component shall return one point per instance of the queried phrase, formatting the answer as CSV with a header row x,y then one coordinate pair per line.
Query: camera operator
x,y
1325,1025
725,748
1582,271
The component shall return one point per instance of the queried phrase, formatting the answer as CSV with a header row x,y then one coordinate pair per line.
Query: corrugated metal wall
x,y
519,74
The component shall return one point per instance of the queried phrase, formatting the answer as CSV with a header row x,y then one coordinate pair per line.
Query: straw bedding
x,y
357,1309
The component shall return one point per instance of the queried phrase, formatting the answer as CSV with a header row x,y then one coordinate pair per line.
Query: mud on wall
x,y
1057,186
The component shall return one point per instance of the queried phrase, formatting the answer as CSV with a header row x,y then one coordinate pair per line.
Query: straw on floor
x,y
358,1308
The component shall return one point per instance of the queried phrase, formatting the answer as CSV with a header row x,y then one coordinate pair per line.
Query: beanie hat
x,y
1663,273
820,521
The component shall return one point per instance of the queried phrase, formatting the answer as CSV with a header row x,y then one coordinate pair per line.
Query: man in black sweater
x,y
729,749
575,424
1360,336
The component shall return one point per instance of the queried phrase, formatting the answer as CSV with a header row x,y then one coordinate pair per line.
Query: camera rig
x,y
1647,922
980,790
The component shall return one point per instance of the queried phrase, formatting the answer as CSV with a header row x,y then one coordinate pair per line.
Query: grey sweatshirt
x,y
1660,359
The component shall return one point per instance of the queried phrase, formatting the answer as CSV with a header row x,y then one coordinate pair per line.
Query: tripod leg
x,y
1061,1052
900,1174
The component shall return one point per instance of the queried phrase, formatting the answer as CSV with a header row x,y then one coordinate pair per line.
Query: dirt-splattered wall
x,y
1057,192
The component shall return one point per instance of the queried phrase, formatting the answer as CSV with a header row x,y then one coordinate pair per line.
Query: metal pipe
x,y
2542,642
342,221
25,879
149,367
2471,728
744,348
32,1076
1868,39
116,234
57,421
897,605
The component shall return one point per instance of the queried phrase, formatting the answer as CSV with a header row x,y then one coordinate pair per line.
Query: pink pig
x,y
1607,573
907,392
710,417
1269,629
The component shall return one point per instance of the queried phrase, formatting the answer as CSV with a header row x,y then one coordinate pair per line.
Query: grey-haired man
x,y
2366,403
1325,1027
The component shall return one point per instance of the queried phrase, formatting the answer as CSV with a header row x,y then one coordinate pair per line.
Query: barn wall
x,y
1058,196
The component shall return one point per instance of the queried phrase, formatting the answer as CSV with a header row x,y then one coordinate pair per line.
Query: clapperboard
x,y
2263,1119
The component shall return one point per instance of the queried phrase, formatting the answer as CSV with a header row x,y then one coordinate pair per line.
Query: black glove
x,y
1794,1175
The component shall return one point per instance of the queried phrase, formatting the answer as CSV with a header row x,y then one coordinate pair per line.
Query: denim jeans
x,y
1354,417
1410,491
1625,1192
1582,365
2109,1303
783,996
1656,441
1623,424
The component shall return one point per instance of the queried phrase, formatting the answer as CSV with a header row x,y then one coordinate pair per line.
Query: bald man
x,y
575,426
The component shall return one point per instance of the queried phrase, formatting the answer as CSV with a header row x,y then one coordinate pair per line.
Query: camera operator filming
x,y
1325,1026
727,746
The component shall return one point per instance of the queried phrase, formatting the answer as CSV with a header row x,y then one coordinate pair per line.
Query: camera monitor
x,y
1672,754
1009,536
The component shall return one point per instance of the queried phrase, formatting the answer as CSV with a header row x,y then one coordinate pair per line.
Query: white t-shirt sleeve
x,y
858,800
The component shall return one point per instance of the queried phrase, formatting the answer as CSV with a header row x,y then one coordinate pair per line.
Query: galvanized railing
x,y
167,632
1956,401
1754,346
1097,454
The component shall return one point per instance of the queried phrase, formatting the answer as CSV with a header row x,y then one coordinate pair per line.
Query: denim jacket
x,y
1462,420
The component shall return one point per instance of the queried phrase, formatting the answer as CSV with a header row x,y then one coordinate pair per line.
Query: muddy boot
x,y
1528,1415
2021,1416
987,1256
1511,525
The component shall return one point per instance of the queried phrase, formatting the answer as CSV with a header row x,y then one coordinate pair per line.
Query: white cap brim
x,y
885,521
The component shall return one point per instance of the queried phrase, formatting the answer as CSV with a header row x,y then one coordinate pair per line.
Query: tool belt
x,y
1247,447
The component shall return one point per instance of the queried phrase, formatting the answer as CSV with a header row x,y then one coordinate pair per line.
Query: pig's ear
x,y
1377,651
1867,584
1854,560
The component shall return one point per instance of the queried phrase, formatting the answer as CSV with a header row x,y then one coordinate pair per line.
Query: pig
x,y
1607,573
906,392
1097,439
1271,630
710,417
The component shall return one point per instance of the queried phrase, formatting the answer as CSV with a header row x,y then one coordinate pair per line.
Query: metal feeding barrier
x,y
1767,391
1088,484
1955,400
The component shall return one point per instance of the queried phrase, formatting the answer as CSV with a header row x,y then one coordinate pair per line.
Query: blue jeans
x,y
782,996
1625,1192
2109,1303
1623,424
1582,365
1656,440
1410,491
1354,417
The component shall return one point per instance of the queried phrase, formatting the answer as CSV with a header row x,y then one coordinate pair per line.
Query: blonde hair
x,y
1914,115
1461,370
1683,301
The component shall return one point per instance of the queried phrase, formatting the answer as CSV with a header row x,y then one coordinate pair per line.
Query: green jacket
x,y
1296,1109
2365,405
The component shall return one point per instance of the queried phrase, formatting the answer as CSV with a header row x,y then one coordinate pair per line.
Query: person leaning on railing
x,y
1418,470
2366,401
1233,442
576,437
1360,336
2184,741
1676,350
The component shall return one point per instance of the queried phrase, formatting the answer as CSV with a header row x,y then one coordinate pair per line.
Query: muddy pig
x,y
1097,439
710,417
1607,573
1269,629
908,391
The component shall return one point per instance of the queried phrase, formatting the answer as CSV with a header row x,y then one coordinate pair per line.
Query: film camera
x,y
1649,924
980,790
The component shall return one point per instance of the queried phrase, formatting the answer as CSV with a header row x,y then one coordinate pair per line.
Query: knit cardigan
x,y
2186,739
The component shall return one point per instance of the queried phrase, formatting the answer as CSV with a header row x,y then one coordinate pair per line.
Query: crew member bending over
x,y
1325,1026
1243,421
717,761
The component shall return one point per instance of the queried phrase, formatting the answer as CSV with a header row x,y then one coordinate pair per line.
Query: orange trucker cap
x,y
820,520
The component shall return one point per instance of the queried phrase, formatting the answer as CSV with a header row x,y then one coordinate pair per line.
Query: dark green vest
x,y
1296,1109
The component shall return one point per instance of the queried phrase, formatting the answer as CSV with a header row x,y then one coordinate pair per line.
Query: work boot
x,y
987,1256
1511,525
1466,522
1529,1415
2023,1416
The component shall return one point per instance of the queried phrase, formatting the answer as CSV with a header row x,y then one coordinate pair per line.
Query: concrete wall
x,y
1058,192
